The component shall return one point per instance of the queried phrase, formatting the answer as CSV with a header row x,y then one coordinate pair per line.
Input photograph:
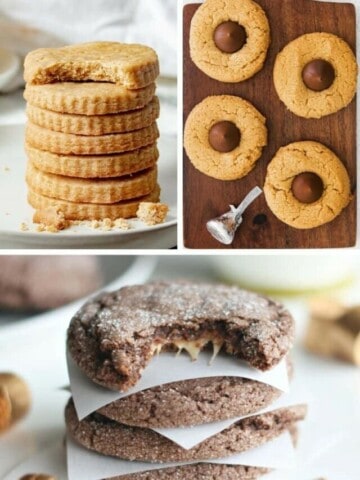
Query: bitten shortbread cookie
x,y
306,185
92,211
109,190
224,137
131,65
114,337
68,143
95,124
89,98
94,166
141,444
229,39
316,75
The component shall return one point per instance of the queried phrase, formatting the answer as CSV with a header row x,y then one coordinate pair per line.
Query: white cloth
x,y
26,25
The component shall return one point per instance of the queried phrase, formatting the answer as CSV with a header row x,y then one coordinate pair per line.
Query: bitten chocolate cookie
x,y
316,75
131,443
41,282
224,137
229,39
192,402
306,185
114,337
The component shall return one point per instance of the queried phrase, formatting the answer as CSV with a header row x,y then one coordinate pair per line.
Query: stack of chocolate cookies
x,y
91,133
113,338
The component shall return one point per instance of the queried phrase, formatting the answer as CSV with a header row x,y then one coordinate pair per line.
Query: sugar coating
x,y
140,444
114,337
191,402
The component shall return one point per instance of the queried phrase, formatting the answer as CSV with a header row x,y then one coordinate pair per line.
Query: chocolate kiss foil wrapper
x,y
223,228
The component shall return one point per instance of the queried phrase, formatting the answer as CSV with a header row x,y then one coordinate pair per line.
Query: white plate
x,y
15,210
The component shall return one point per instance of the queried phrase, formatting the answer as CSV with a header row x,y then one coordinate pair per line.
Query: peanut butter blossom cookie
x,y
306,185
225,136
229,39
316,75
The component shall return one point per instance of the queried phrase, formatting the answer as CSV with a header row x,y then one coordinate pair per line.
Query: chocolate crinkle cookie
x,y
42,282
114,336
107,437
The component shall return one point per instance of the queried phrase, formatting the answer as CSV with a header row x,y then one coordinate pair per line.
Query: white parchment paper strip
x,y
167,368
191,436
87,465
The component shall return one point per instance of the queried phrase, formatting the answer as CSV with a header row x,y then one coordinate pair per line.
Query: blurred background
x,y
61,22
321,291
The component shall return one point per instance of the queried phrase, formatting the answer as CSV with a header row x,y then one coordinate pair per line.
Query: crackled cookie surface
x,y
316,75
114,337
224,137
141,444
229,39
131,65
306,185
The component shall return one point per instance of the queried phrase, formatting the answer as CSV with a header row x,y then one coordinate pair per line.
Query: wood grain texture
x,y
206,198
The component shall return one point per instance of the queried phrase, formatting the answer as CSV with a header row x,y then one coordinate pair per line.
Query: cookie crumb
x,y
50,219
6,169
122,224
152,213
107,224
24,227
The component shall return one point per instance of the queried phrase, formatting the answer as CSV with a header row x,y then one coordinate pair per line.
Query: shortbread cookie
x,y
229,39
97,166
114,337
68,144
95,124
131,65
203,471
191,402
141,444
306,185
92,211
42,282
225,136
91,98
100,191
316,75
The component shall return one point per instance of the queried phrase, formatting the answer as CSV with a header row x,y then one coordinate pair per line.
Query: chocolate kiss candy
x,y
224,136
230,37
318,75
307,187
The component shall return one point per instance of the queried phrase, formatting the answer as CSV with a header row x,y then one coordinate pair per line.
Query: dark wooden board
x,y
205,198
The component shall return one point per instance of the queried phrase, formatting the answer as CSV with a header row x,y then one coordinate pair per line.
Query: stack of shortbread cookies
x,y
91,133
111,342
